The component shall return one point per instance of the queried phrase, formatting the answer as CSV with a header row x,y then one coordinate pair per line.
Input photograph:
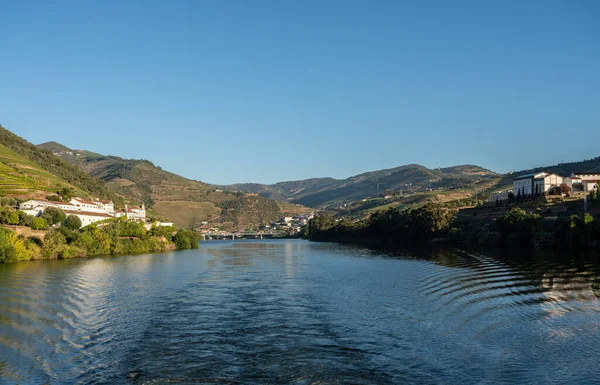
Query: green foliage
x,y
39,224
56,166
186,239
162,231
72,222
517,228
14,248
54,215
13,219
391,226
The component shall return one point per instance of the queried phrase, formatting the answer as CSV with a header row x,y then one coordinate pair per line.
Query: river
x,y
290,311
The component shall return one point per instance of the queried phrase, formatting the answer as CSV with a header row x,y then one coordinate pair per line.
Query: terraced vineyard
x,y
23,178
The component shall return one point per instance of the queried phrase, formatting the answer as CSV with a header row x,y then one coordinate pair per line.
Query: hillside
x,y
283,190
171,196
410,179
27,171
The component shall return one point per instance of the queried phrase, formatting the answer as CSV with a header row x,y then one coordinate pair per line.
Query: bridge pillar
x,y
233,237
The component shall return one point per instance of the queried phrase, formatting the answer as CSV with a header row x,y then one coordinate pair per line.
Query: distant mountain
x,y
173,197
329,192
27,171
283,190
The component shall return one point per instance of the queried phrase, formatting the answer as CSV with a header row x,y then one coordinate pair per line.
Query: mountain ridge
x,y
327,192
185,201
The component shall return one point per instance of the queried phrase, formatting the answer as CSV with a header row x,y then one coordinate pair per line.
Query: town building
x,y
574,182
89,205
88,217
133,213
588,180
535,184
86,210
150,225
498,196
36,207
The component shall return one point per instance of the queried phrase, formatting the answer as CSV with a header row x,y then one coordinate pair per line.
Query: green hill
x,y
27,171
170,196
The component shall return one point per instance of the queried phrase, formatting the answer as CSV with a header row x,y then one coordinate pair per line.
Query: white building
x,y
88,211
88,205
149,225
88,217
539,183
133,213
37,207
574,182
498,196
588,180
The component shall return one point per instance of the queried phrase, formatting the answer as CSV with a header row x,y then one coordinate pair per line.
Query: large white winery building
x,y
539,183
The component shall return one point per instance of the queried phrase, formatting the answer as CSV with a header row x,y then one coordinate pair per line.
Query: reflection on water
x,y
300,312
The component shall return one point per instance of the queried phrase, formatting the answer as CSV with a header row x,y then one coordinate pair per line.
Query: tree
x,y
72,222
186,239
431,218
13,219
66,193
565,188
39,224
54,215
555,190
12,247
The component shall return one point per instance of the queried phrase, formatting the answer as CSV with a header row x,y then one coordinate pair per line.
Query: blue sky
x,y
265,91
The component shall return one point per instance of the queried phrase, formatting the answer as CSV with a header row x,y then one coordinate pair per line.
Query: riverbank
x,y
117,237
432,223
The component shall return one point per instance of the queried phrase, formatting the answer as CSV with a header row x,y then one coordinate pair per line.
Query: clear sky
x,y
265,91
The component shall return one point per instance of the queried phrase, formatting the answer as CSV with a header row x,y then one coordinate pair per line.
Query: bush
x,y
25,219
54,215
72,222
186,239
13,218
455,234
12,248
39,224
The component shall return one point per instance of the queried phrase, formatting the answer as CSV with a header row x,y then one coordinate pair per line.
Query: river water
x,y
256,312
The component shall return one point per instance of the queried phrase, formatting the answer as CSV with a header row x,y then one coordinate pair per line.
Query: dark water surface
x,y
303,313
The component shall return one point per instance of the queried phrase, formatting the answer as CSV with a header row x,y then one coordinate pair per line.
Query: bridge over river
x,y
244,234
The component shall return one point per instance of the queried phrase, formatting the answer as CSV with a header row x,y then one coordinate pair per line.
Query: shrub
x,y
72,222
54,215
186,239
39,224
13,218
455,234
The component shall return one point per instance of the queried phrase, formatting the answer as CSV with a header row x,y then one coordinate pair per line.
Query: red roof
x,y
86,201
89,213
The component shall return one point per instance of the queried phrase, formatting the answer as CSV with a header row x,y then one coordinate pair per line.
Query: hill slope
x,y
410,179
27,171
171,196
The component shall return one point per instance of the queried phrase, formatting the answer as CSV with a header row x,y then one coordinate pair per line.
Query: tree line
x,y
67,239
516,228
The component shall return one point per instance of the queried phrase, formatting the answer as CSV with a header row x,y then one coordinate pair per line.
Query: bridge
x,y
243,234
